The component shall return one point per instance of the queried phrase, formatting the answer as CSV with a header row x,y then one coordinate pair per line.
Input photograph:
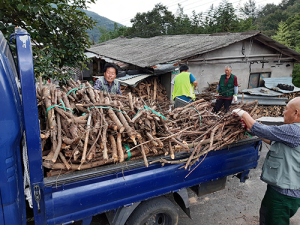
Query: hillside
x,y
101,21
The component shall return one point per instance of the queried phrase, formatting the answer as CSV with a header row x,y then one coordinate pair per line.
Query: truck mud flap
x,y
120,215
182,199
209,187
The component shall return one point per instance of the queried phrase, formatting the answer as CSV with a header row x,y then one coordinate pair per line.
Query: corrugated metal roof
x,y
271,120
273,82
263,100
147,52
261,91
90,54
131,80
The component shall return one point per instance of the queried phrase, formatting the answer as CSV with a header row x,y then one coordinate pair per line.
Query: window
x,y
256,79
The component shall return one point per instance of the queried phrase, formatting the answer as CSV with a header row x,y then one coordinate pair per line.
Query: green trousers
x,y
277,209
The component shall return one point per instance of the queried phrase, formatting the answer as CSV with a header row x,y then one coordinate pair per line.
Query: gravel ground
x,y
237,204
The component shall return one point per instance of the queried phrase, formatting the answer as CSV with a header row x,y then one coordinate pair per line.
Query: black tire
x,y
157,211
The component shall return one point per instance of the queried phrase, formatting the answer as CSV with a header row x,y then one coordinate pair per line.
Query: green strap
x,y
64,107
58,107
246,133
74,89
198,113
159,106
128,152
104,107
146,107
136,113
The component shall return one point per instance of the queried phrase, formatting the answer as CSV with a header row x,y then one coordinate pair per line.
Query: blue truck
x,y
128,193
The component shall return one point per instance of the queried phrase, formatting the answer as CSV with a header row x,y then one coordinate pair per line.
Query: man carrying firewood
x,y
107,82
226,90
184,85
281,169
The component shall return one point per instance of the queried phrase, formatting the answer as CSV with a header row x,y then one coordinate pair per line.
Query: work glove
x,y
244,125
238,112
235,98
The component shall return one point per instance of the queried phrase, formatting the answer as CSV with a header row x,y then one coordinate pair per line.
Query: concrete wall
x,y
245,58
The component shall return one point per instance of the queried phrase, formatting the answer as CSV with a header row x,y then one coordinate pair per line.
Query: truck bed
x,y
71,197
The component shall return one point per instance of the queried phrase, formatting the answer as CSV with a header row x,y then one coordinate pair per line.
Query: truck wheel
x,y
157,211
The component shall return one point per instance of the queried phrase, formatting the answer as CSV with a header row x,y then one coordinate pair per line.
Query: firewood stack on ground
x,y
150,90
208,93
274,110
83,128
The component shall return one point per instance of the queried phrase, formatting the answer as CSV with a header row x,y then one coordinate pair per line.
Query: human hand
x,y
235,98
238,112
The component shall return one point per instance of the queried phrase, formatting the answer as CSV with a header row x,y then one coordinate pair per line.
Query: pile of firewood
x,y
149,90
208,93
290,95
274,110
205,131
84,128
269,111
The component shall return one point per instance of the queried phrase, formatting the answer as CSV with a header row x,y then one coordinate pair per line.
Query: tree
x,y
117,32
281,34
226,19
288,34
221,19
249,10
58,29
152,23
182,24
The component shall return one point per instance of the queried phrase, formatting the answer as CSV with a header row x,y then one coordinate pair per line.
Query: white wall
x,y
240,57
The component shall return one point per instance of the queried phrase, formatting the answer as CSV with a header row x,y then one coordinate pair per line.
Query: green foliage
x,y
58,29
101,21
153,23
249,10
269,17
117,32
160,21
296,75
288,33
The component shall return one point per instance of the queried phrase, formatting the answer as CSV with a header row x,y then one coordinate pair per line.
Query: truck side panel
x,y
12,192
73,201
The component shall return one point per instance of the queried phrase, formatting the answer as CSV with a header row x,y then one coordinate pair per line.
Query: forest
x,y
53,23
280,22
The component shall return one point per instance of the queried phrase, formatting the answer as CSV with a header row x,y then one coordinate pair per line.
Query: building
x,y
251,54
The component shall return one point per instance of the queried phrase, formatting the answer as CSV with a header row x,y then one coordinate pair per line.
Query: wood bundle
x,y
150,90
83,128
209,92
269,111
290,95
210,131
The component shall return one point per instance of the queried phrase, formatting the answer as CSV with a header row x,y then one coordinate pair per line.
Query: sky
x,y
121,11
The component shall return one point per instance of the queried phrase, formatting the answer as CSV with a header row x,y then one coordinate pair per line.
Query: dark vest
x,y
228,89
282,166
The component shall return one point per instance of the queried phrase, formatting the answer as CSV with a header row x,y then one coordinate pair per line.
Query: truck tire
x,y
157,211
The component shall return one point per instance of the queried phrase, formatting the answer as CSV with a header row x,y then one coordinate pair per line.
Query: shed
x,y
252,55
